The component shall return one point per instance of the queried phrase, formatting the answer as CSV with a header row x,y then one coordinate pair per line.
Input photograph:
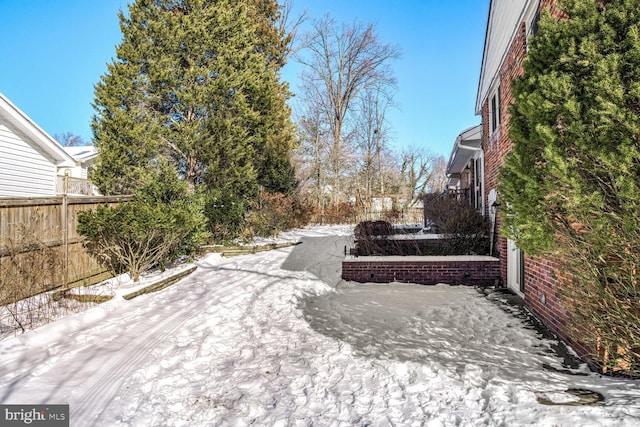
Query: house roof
x,y
82,153
468,142
49,146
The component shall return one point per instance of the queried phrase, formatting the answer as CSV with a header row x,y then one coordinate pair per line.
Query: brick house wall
x,y
542,295
542,277
498,145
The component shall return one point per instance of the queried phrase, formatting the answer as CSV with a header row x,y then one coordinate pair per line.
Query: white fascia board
x,y
503,21
31,130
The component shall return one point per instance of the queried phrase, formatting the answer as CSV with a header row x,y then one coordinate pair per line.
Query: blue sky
x,y
55,51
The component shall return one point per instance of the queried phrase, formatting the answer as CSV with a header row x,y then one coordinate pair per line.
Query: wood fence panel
x,y
406,216
40,222
43,220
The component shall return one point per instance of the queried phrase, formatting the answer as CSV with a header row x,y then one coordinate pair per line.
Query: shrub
x,y
273,213
367,229
601,293
571,184
465,232
371,238
343,213
28,268
162,223
466,229
225,215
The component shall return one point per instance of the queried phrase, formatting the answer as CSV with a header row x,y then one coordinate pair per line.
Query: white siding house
x,y
78,182
29,158
86,156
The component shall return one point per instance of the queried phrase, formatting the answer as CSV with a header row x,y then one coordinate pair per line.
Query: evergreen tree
x,y
275,136
193,84
572,182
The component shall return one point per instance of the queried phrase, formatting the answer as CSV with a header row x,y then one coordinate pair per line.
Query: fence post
x,y
65,229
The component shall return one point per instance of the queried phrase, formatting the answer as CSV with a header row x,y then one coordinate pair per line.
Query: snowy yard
x,y
276,338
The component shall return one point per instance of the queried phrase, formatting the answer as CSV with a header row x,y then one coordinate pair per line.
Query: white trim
x,y
31,130
480,158
468,141
530,16
514,267
484,84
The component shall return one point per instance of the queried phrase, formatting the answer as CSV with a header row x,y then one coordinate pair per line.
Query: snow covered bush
x,y
164,222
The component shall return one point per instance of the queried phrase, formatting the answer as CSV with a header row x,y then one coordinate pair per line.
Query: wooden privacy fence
x,y
404,216
400,216
28,225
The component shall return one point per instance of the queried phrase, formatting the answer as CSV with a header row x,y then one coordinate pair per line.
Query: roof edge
x,y
49,145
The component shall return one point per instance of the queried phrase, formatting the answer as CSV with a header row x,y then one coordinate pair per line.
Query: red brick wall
x,y
542,276
479,273
497,146
541,293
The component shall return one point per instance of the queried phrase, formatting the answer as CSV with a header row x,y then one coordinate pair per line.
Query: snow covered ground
x,y
276,338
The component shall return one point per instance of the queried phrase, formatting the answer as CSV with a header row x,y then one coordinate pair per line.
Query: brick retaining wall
x,y
426,270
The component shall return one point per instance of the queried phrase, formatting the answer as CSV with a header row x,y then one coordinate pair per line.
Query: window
x,y
533,25
533,28
494,112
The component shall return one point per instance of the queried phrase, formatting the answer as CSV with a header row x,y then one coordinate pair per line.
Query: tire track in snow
x,y
88,408
106,386
95,401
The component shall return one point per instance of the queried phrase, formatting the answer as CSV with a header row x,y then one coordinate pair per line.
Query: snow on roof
x,y
82,153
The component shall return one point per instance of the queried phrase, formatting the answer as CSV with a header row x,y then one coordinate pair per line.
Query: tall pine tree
x,y
276,135
572,182
196,82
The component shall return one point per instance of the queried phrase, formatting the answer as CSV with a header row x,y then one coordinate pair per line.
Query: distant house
x,y
78,178
465,178
32,163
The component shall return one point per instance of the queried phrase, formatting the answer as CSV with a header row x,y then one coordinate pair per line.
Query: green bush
x,y
571,184
225,215
163,222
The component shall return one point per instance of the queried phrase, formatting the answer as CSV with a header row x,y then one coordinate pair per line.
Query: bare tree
x,y
373,136
418,172
341,61
438,182
289,25
69,139
313,153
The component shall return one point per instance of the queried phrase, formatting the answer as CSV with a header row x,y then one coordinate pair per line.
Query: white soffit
x,y
504,19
